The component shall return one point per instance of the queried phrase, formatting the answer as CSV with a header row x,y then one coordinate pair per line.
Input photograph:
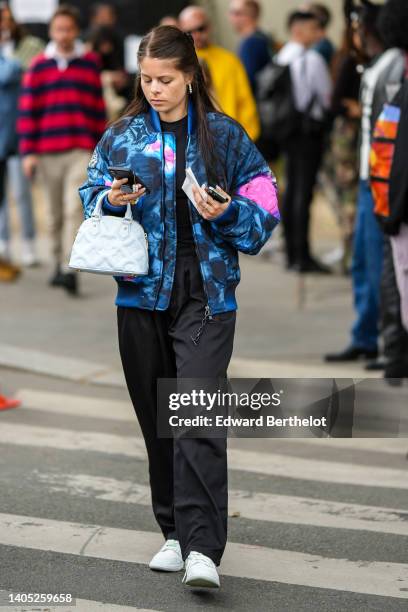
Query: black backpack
x,y
276,106
277,111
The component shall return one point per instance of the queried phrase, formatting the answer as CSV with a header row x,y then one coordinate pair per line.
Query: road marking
x,y
274,464
240,560
263,368
69,368
78,405
255,506
81,605
86,605
67,439
271,464
394,446
46,363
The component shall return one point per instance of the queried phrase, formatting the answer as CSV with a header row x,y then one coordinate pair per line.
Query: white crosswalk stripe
x,y
271,464
274,464
80,405
67,439
262,563
85,605
395,446
256,506
94,606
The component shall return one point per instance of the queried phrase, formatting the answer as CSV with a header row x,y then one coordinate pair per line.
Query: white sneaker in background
x,y
5,250
28,254
201,571
169,558
333,257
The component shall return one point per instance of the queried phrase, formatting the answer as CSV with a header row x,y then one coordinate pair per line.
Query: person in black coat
x,y
394,284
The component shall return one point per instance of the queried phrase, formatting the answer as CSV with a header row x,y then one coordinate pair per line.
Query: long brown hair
x,y
17,30
170,43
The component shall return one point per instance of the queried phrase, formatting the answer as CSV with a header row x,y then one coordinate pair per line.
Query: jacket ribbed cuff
x,y
229,216
116,210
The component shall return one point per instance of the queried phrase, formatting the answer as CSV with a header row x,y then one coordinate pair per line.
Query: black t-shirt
x,y
185,239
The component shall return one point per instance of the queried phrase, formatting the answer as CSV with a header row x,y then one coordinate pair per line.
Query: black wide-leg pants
x,y
188,476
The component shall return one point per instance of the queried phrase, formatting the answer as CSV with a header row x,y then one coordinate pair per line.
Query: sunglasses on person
x,y
200,29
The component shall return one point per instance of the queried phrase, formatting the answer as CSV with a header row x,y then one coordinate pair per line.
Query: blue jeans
x,y
366,271
21,189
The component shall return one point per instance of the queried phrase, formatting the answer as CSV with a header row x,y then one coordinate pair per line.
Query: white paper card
x,y
187,186
33,11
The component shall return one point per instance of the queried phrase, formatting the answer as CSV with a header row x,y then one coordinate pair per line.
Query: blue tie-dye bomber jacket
x,y
138,143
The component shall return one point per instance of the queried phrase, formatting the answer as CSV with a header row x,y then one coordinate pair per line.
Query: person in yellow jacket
x,y
230,82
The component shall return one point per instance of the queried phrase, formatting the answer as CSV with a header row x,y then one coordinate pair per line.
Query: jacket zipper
x,y
175,213
162,209
207,311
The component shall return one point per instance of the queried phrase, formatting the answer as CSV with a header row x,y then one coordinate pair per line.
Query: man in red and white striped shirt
x,y
61,118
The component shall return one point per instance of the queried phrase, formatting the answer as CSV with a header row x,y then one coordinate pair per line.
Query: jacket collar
x,y
191,118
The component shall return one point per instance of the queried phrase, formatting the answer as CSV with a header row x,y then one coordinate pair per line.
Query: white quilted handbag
x,y
110,245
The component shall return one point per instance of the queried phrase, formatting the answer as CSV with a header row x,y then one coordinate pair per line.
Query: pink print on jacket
x,y
154,149
169,159
262,190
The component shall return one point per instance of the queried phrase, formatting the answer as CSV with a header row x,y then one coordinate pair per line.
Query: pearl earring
x,y
190,89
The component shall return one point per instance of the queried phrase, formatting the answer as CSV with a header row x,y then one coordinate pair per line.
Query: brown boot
x,y
8,272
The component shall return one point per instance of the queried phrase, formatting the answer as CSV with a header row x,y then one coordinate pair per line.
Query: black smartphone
x,y
133,179
216,195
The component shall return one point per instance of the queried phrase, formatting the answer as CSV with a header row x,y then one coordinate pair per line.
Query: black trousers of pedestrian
x,y
303,154
188,476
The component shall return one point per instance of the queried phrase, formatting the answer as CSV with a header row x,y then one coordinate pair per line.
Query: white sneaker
x,y
5,250
201,571
169,558
28,254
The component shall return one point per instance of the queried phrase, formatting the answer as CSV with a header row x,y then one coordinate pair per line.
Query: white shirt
x,y
310,77
51,51
7,49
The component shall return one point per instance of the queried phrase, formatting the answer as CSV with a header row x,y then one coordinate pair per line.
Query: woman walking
x,y
179,320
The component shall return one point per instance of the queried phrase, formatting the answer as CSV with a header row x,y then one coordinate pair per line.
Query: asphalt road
x,y
315,525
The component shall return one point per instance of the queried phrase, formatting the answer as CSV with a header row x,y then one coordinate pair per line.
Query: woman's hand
x,y
116,197
208,207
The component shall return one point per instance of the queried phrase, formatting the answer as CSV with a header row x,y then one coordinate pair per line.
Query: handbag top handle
x,y
97,213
